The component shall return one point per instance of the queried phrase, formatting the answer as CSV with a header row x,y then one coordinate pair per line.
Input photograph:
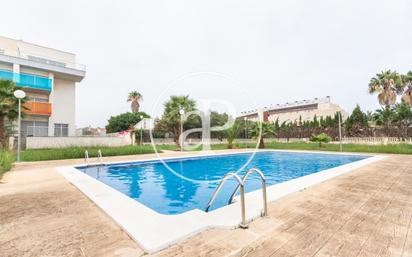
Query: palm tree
x,y
387,84
268,129
231,134
171,117
407,83
134,97
8,107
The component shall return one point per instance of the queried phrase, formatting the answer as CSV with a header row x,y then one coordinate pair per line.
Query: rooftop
x,y
40,57
286,105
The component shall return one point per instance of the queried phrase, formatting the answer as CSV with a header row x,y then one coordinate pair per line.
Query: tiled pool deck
x,y
366,212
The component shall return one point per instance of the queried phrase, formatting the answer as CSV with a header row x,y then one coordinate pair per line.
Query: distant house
x,y
90,131
299,110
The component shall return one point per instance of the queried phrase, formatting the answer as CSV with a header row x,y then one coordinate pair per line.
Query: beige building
x,y
291,112
49,77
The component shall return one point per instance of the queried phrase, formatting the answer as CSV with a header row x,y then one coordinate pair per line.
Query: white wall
x,y
62,142
63,100
323,110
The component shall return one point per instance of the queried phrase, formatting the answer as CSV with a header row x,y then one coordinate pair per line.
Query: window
x,y
34,128
61,130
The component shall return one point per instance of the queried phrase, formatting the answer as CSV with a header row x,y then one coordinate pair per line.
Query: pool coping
x,y
154,231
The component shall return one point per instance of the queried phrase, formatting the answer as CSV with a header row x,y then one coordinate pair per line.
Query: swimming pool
x,y
191,186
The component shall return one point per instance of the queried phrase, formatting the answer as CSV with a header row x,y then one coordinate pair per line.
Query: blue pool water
x,y
155,186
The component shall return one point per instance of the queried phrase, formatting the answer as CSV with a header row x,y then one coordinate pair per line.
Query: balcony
x,y
38,108
27,80
61,69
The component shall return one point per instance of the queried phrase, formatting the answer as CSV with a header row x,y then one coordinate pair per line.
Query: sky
x,y
246,53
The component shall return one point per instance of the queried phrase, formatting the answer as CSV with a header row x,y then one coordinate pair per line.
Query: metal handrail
x,y
242,196
262,176
86,157
100,156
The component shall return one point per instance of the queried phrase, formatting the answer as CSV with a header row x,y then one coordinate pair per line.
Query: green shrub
x,y
321,138
6,161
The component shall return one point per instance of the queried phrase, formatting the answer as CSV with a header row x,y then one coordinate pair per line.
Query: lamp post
x,y
245,119
340,131
181,112
141,129
19,94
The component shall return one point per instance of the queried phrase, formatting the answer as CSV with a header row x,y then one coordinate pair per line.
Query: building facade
x,y
299,110
49,77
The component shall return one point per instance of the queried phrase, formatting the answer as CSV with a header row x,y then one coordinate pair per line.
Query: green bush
x,y
6,161
124,121
321,138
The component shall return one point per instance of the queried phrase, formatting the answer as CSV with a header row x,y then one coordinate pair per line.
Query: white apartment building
x,y
291,112
49,77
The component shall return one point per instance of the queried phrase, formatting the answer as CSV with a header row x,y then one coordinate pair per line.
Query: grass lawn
x,y
7,157
395,149
78,152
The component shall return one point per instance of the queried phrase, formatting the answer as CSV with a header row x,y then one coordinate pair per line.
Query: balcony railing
x,y
38,108
41,59
27,80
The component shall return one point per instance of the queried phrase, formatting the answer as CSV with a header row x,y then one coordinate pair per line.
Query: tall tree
x,y
407,83
357,122
135,98
8,107
387,85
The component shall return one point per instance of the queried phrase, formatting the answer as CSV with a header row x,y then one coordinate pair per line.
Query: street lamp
x,y
19,94
141,129
340,131
181,112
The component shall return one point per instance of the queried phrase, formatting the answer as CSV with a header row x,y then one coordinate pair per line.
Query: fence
x,y
122,140
62,142
376,140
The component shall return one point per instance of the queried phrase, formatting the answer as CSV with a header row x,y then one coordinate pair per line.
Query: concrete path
x,y
364,213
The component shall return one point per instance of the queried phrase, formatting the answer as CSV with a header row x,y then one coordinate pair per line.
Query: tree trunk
x,y
261,143
176,134
135,106
2,133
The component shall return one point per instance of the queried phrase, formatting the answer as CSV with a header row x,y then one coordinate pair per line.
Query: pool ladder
x,y
241,188
99,157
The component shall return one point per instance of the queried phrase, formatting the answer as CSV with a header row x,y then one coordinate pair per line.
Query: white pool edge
x,y
154,231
